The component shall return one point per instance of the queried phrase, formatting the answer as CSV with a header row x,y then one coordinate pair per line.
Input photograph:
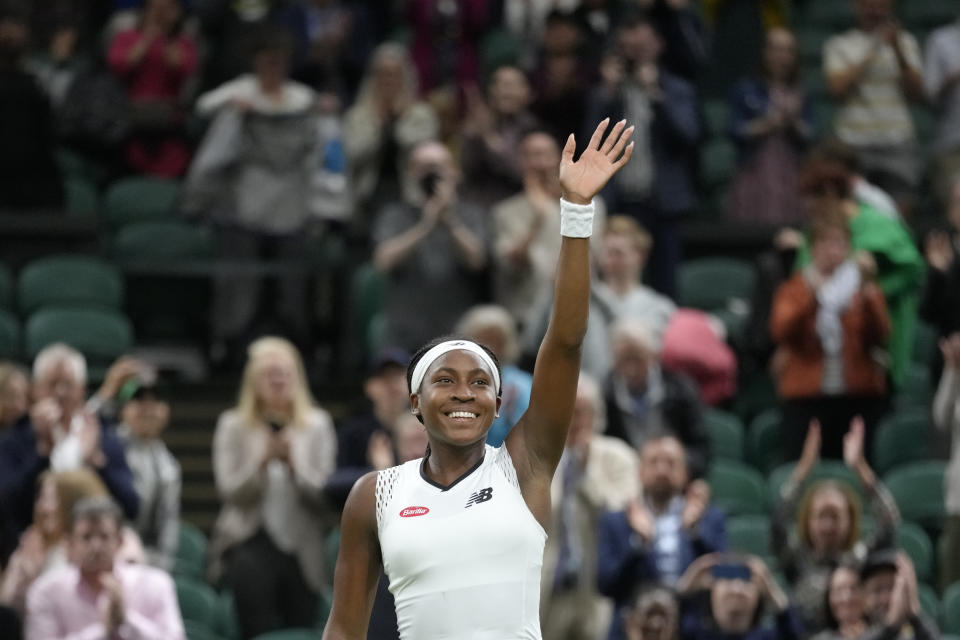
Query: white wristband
x,y
576,220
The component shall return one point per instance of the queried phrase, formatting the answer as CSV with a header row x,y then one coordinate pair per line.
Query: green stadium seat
x,y
749,534
191,557
140,200
924,343
830,14
499,47
716,112
69,280
718,161
726,434
736,488
929,601
368,288
324,606
197,631
916,543
9,336
166,240
902,437
756,395
916,390
198,601
712,283
951,609
923,15
225,621
810,43
918,489
765,442
6,288
101,336
824,470
82,198
290,634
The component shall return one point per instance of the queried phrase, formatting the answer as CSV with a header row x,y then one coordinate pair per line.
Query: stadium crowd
x,y
761,449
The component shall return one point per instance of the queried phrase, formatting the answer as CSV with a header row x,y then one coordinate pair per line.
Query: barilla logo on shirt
x,y
412,512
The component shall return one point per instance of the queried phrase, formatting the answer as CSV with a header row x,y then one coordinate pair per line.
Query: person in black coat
x,y
940,306
643,398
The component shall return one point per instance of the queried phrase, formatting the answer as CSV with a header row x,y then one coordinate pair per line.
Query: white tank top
x,y
463,562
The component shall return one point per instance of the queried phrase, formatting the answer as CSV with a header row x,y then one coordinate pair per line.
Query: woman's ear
x,y
415,404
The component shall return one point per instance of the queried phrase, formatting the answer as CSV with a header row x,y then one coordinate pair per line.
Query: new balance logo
x,y
479,496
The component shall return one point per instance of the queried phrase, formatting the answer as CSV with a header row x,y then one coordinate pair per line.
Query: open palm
x,y
583,179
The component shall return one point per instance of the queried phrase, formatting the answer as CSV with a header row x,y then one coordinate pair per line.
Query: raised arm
x,y
536,443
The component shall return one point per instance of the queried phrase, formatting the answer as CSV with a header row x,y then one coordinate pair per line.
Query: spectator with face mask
x,y
100,596
657,537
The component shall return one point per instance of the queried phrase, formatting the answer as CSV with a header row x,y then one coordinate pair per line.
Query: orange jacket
x,y
799,359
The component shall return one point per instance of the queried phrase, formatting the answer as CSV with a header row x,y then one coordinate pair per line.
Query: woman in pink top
x,y
154,62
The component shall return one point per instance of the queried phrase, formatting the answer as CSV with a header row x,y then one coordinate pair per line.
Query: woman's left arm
x,y
537,441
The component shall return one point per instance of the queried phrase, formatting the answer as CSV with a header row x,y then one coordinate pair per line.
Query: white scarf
x,y
834,296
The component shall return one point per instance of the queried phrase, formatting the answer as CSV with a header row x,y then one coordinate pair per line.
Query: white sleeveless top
x,y
463,562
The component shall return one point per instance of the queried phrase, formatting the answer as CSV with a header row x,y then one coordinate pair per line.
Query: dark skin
x,y
459,381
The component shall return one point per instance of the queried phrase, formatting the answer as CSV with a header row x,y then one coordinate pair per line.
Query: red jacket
x,y
799,360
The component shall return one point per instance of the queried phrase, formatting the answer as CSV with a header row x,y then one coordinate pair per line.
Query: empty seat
x,y
191,557
712,283
69,280
164,240
765,441
101,335
726,434
197,600
736,488
140,200
9,336
918,489
903,437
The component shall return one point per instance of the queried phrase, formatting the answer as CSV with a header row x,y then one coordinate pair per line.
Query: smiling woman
x,y
460,532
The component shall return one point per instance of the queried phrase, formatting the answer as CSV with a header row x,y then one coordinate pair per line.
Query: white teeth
x,y
462,414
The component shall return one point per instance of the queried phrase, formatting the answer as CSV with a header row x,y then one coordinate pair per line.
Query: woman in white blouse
x,y
272,455
946,416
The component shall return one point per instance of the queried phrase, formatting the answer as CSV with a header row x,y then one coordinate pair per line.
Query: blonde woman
x,y
272,456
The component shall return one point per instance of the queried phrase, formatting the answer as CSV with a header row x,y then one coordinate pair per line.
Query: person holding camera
x,y
725,595
429,242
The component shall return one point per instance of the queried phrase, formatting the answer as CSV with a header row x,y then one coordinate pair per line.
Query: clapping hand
x,y
697,499
938,251
583,179
811,451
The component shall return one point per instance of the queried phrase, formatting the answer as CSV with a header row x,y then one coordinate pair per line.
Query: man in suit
x,y
596,474
656,537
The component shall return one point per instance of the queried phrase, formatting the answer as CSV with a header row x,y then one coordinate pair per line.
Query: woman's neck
x,y
444,463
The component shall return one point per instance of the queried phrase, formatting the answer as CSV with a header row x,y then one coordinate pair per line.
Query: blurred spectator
x,y
659,535
527,21
368,439
826,185
596,474
946,417
430,241
828,522
43,546
29,177
58,64
686,48
643,398
230,27
253,175
695,344
494,129
445,41
941,71
336,38
771,122
654,616
844,610
656,186
382,127
61,434
527,233
494,327
156,473
725,595
154,62
864,192
891,598
560,79
99,596
938,307
14,394
272,455
828,320
872,70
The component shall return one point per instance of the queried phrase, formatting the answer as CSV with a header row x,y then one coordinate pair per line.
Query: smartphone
x,y
731,571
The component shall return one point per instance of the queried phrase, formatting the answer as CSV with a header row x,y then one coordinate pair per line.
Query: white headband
x,y
452,345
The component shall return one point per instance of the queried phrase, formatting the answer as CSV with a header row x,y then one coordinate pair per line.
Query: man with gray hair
x,y
62,433
98,596
642,397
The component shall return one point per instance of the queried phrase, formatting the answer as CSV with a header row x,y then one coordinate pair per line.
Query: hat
x,y
877,561
389,356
